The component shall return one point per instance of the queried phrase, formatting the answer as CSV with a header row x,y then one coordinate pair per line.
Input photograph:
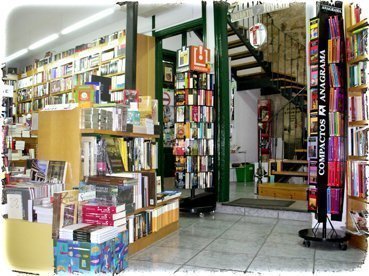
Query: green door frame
x,y
159,36
222,144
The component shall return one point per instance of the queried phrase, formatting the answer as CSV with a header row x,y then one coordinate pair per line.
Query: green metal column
x,y
159,97
131,47
222,93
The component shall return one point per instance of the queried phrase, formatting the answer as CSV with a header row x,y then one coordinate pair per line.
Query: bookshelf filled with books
x,y
358,126
327,135
194,128
105,159
52,80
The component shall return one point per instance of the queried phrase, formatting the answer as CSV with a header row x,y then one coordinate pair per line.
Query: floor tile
x,y
210,223
185,241
199,231
243,236
223,217
288,228
277,237
234,246
136,267
264,264
286,250
197,270
338,266
185,222
333,253
252,227
220,260
258,220
166,255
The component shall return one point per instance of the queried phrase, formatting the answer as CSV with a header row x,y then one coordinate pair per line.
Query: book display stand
x,y
327,153
194,129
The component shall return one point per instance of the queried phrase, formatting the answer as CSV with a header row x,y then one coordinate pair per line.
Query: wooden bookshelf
x,y
359,25
355,203
145,66
118,133
290,173
357,158
153,237
359,58
358,88
359,123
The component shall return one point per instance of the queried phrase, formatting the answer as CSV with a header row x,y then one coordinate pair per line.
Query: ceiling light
x,y
16,55
43,41
87,21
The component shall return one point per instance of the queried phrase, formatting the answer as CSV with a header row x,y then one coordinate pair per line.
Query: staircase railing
x,y
283,58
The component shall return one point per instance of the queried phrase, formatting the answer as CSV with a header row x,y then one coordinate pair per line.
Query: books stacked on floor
x,y
104,213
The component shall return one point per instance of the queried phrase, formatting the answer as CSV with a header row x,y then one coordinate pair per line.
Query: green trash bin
x,y
245,173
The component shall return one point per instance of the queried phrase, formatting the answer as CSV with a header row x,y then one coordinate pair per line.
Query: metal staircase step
x,y
290,87
250,72
233,38
285,80
290,173
242,61
237,50
246,66
235,43
300,150
290,161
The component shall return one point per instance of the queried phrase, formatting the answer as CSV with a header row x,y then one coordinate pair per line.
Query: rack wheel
x,y
343,246
306,243
201,215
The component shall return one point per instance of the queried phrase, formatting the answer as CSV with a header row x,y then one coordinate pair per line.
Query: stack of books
x,y
104,213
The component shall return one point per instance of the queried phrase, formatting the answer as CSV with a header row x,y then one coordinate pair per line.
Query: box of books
x,y
82,257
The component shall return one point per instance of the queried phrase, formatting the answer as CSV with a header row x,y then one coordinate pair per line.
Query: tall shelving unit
x,y
194,129
327,137
358,120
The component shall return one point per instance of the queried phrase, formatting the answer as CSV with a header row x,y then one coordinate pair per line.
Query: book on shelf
x,y
313,147
358,184
312,173
360,220
358,107
56,171
84,95
314,123
358,139
39,169
314,28
65,206
312,199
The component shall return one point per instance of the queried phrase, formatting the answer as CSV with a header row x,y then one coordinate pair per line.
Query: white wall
x,y
245,123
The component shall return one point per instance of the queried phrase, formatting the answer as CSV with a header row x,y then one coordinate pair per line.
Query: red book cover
x,y
115,223
312,199
88,215
101,207
195,113
209,98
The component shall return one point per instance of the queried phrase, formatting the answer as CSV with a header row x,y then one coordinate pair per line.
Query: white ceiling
x,y
28,24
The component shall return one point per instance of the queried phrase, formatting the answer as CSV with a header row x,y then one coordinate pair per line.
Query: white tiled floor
x,y
229,244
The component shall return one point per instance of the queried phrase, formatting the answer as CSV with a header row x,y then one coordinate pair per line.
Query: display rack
x,y
326,146
265,127
194,129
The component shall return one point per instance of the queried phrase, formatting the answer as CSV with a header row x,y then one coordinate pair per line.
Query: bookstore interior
x,y
133,120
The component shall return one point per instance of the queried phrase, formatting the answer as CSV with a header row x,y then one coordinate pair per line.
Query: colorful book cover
x,y
39,169
84,95
65,206
312,199
57,171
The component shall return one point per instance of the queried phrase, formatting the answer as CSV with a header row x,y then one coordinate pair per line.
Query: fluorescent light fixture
x,y
43,41
87,21
16,55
